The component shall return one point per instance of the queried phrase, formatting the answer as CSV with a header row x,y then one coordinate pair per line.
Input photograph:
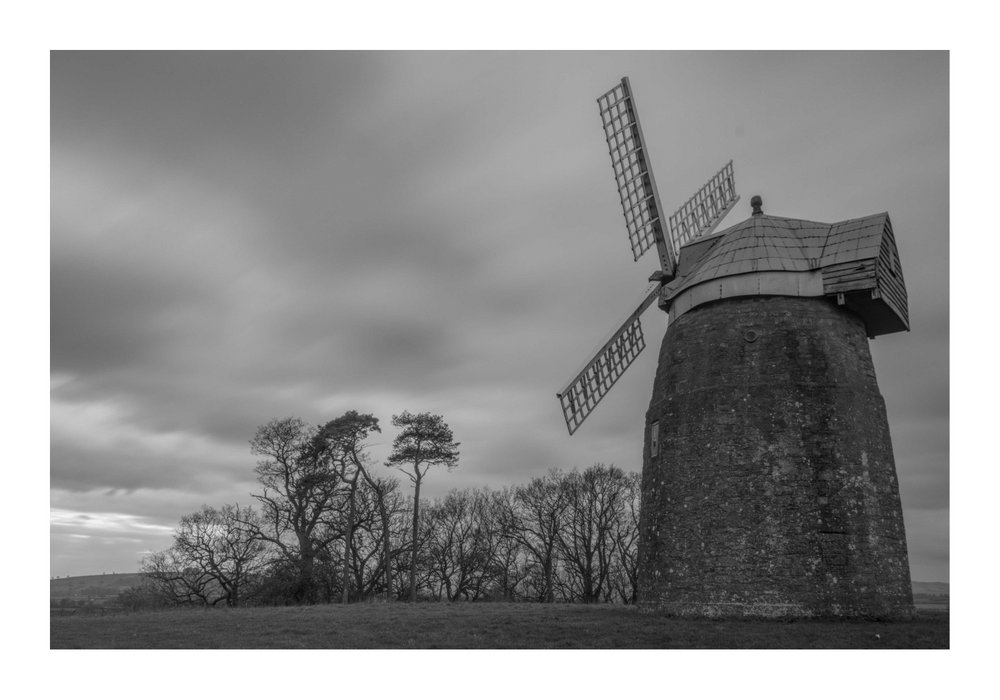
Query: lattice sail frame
x,y
595,380
636,185
704,210
697,217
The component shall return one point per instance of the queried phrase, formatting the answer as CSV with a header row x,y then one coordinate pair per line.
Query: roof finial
x,y
756,202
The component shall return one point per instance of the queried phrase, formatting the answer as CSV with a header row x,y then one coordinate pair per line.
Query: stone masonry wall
x,y
774,489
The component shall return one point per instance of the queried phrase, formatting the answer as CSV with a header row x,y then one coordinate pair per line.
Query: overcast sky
x,y
242,236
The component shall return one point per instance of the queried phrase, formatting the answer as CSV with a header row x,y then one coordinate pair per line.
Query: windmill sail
x,y
699,216
591,383
705,210
636,186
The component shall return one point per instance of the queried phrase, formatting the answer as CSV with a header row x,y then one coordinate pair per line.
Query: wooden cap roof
x,y
774,243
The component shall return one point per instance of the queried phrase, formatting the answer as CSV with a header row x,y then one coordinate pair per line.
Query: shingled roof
x,y
774,243
854,263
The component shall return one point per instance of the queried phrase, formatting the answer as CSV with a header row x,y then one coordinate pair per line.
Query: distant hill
x,y
930,588
98,587
930,595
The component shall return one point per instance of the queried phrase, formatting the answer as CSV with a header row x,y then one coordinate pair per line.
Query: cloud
x,y
97,445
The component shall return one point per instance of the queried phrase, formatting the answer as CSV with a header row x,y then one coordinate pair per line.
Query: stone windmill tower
x,y
768,485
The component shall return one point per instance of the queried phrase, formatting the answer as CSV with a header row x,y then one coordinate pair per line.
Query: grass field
x,y
478,626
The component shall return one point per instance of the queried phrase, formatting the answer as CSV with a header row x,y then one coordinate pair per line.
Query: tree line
x,y
325,527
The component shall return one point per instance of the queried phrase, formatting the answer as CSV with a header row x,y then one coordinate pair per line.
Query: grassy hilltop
x,y
464,626
478,626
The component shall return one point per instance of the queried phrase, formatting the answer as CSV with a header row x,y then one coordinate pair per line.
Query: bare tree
x,y
424,441
344,439
447,527
178,582
586,539
535,521
219,542
626,539
387,500
375,515
506,568
463,543
301,489
213,557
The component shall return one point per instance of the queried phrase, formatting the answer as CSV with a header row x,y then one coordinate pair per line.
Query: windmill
x,y
768,485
